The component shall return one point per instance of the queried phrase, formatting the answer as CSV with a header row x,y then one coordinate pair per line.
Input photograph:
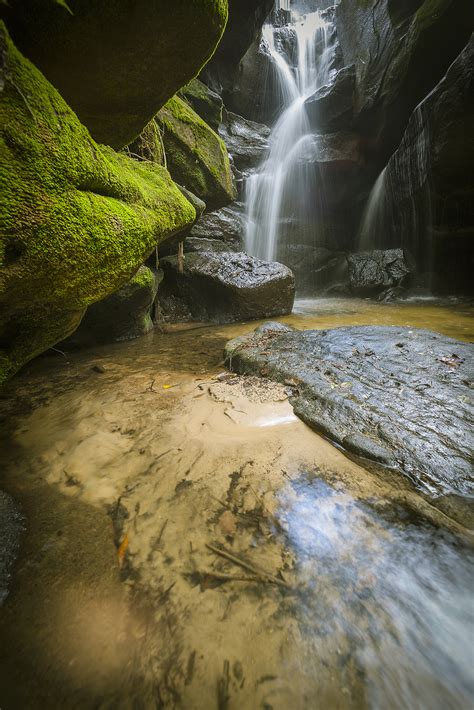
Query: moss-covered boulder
x,y
195,155
116,63
124,315
204,101
76,218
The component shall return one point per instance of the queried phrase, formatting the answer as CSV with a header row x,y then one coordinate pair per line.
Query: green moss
x,y
148,145
207,104
196,156
144,277
76,218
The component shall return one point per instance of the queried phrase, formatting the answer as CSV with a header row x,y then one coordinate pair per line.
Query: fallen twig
x,y
247,565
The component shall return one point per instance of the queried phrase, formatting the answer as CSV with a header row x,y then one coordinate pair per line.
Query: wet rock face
x,y
246,18
331,107
117,64
394,395
429,182
228,286
400,51
246,141
124,315
225,226
371,272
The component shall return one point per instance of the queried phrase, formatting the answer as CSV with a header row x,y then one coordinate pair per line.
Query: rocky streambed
x,y
183,526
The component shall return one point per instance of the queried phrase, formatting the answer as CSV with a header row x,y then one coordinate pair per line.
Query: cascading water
x,y
280,189
399,211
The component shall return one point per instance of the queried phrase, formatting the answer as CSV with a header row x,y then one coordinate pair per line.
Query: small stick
x,y
246,565
233,577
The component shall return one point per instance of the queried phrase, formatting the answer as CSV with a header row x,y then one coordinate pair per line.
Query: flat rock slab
x,y
398,396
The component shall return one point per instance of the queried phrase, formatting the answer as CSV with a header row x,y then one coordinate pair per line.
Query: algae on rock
x,y
76,219
196,156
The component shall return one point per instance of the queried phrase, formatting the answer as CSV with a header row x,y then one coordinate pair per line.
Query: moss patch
x,y
196,156
76,218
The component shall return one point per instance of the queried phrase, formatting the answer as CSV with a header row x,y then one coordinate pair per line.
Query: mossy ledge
x,y
76,219
196,156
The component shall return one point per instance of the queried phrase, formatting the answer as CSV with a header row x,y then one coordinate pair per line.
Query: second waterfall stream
x,y
279,190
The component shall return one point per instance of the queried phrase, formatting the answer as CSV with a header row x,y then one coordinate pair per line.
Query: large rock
x,y
117,64
124,315
76,218
400,51
394,395
246,141
196,156
228,286
372,272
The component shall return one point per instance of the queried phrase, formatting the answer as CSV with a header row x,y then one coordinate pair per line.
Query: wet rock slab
x,y
395,395
11,526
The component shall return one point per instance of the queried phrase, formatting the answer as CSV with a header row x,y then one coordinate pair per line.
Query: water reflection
x,y
394,594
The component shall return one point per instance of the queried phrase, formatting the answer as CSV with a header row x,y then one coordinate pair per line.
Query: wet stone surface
x,y
398,396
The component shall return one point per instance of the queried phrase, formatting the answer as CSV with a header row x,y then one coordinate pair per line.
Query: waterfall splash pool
x,y
132,462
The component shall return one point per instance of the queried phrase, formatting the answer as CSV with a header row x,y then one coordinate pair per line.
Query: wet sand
x,y
335,586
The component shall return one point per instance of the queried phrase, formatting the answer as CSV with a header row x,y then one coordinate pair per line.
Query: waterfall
x,y
399,210
280,189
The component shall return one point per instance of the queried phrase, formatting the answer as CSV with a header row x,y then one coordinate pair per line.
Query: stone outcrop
x,y
228,286
117,64
76,218
368,390
196,156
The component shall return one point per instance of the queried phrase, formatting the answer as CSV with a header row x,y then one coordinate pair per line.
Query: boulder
x,y
207,104
330,108
228,286
124,315
398,396
246,141
196,156
76,218
372,272
116,64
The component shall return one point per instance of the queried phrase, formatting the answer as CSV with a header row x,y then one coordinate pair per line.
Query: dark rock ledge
x,y
398,396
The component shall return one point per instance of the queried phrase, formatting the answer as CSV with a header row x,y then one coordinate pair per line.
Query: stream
x,y
188,542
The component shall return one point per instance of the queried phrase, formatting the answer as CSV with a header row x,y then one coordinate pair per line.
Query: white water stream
x,y
279,188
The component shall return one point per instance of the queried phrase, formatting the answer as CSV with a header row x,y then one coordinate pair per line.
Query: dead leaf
x,y
228,523
121,552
